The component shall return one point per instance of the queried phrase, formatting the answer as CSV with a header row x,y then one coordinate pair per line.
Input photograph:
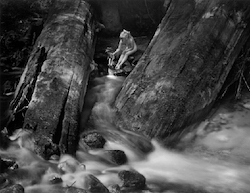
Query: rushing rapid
x,y
215,159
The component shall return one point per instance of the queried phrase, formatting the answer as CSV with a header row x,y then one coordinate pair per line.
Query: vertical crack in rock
x,y
58,134
42,57
20,104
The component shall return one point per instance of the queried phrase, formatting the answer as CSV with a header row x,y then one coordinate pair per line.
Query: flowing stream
x,y
215,155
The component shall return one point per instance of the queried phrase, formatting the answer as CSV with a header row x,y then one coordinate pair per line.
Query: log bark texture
x,y
184,67
52,87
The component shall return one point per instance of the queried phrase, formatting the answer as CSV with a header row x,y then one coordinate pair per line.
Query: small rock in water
x,y
55,180
94,185
17,188
116,157
114,189
94,140
132,179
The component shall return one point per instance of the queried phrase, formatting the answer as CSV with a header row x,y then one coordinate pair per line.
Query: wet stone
x,y
17,188
132,180
116,157
94,185
55,180
94,140
114,189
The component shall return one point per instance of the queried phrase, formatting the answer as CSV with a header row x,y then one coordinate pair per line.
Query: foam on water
x,y
167,166
199,165
160,167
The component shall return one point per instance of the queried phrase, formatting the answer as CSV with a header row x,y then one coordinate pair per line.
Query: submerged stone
x,y
132,179
116,157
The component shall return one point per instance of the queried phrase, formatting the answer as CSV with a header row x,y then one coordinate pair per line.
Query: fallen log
x,y
184,67
51,90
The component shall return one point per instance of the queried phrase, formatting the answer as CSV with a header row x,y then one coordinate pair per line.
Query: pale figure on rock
x,y
126,47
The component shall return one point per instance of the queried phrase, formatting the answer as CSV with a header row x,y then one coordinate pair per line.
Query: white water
x,y
216,157
166,166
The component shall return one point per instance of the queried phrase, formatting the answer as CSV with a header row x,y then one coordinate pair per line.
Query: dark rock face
x,y
4,141
110,17
94,185
17,188
140,16
2,165
94,140
132,180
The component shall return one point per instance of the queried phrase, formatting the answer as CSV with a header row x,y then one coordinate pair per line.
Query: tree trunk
x,y
184,67
52,87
